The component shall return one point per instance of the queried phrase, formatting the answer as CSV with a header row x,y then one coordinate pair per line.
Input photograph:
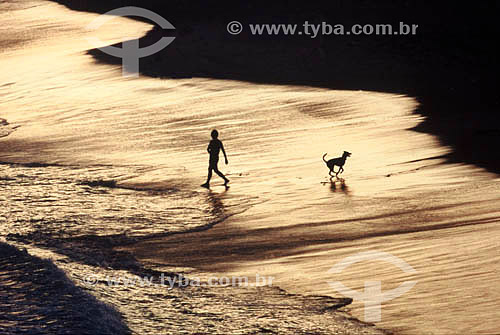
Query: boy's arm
x,y
224,152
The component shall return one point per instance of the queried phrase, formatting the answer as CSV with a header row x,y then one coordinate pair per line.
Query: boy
x,y
213,149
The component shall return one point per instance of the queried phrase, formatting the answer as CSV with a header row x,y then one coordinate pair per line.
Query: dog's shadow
x,y
338,185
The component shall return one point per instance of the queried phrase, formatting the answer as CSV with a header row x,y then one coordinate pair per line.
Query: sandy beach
x,y
101,176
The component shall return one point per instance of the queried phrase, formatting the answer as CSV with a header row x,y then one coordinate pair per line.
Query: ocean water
x,y
94,164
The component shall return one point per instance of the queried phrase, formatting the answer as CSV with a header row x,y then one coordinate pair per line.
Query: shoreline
x,y
265,308
209,68
37,296
229,250
297,314
455,90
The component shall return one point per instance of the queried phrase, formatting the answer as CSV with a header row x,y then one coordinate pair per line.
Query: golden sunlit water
x,y
147,138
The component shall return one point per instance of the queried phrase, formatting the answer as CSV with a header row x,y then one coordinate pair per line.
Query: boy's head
x,y
214,134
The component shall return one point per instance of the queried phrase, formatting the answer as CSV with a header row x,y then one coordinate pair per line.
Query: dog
x,y
339,161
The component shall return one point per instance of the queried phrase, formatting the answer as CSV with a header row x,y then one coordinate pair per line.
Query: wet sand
x,y
88,167
37,297
400,194
440,218
447,66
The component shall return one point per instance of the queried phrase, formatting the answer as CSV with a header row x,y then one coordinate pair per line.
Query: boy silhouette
x,y
213,149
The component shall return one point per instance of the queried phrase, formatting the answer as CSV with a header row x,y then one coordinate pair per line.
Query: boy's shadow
x,y
215,200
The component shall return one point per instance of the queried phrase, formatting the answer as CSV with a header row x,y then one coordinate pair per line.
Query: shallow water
x,y
125,158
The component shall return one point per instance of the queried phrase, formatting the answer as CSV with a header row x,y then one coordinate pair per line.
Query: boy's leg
x,y
216,169
209,174
207,184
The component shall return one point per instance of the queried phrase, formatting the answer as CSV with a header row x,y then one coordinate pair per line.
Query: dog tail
x,y
324,157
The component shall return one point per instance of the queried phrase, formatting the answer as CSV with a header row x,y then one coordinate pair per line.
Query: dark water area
x,y
36,297
448,66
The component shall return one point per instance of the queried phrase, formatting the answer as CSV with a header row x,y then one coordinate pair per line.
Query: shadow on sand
x,y
339,185
448,65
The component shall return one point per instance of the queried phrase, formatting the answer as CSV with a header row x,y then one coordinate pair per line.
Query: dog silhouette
x,y
339,161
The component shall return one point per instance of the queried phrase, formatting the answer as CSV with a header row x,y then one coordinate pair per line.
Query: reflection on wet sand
x,y
83,122
337,185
